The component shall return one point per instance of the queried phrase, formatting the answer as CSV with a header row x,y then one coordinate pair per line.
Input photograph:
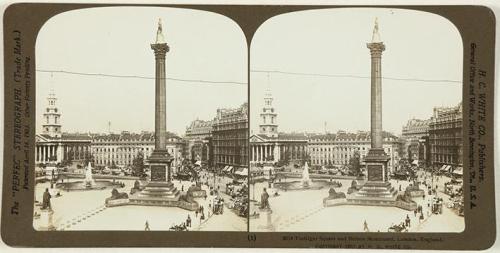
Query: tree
x,y
354,163
307,158
67,162
138,164
285,157
88,158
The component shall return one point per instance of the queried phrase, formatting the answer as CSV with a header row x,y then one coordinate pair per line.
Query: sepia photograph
x,y
356,123
141,121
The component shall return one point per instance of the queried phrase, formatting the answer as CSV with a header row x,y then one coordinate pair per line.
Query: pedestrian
x,y
365,226
182,188
196,213
188,221
146,226
415,212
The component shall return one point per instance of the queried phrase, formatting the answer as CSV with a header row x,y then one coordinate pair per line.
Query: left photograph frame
x,y
139,126
140,121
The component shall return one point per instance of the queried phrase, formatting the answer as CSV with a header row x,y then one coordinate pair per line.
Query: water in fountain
x,y
89,181
306,181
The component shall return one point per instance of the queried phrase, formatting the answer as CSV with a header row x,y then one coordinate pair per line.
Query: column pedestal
x,y
377,190
265,217
46,223
159,191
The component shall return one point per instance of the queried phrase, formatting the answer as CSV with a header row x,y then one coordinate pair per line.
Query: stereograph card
x,y
279,126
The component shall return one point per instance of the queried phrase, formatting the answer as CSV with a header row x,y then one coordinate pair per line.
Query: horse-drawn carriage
x,y
181,227
397,228
218,206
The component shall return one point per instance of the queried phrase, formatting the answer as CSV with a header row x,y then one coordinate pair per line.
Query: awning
x,y
197,163
448,168
415,162
443,168
242,172
230,168
458,171
225,168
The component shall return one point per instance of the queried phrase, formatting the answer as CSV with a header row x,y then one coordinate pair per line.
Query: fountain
x,y
305,182
88,183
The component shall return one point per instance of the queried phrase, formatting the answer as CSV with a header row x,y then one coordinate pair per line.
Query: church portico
x,y
52,145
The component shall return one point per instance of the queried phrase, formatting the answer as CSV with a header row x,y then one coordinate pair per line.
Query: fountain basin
x,y
298,185
83,186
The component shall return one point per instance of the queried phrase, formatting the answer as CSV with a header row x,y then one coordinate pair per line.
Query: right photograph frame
x,y
356,122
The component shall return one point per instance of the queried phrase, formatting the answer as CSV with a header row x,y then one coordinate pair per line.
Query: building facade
x,y
198,136
121,149
230,137
415,135
338,149
445,136
285,147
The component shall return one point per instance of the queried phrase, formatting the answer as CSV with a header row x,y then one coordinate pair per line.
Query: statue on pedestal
x,y
46,213
46,200
264,200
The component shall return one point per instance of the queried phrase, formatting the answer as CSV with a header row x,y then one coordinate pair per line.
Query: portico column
x,y
265,152
260,153
256,153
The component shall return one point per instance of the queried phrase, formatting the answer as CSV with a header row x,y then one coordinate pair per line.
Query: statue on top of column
x,y
159,33
376,35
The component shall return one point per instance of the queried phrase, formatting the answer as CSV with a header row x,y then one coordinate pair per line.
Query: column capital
x,y
376,48
160,50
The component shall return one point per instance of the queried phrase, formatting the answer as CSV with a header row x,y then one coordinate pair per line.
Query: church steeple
x,y
269,124
51,117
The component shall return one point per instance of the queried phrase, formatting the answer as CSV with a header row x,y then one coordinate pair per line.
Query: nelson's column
x,y
377,190
160,190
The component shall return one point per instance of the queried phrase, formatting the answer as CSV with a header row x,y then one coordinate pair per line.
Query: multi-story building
x,y
230,137
414,134
197,137
338,149
445,136
121,149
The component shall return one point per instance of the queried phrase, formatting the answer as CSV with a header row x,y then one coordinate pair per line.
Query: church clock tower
x,y
51,124
269,125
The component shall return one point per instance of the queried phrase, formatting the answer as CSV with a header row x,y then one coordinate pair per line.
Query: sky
x,y
116,41
419,45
